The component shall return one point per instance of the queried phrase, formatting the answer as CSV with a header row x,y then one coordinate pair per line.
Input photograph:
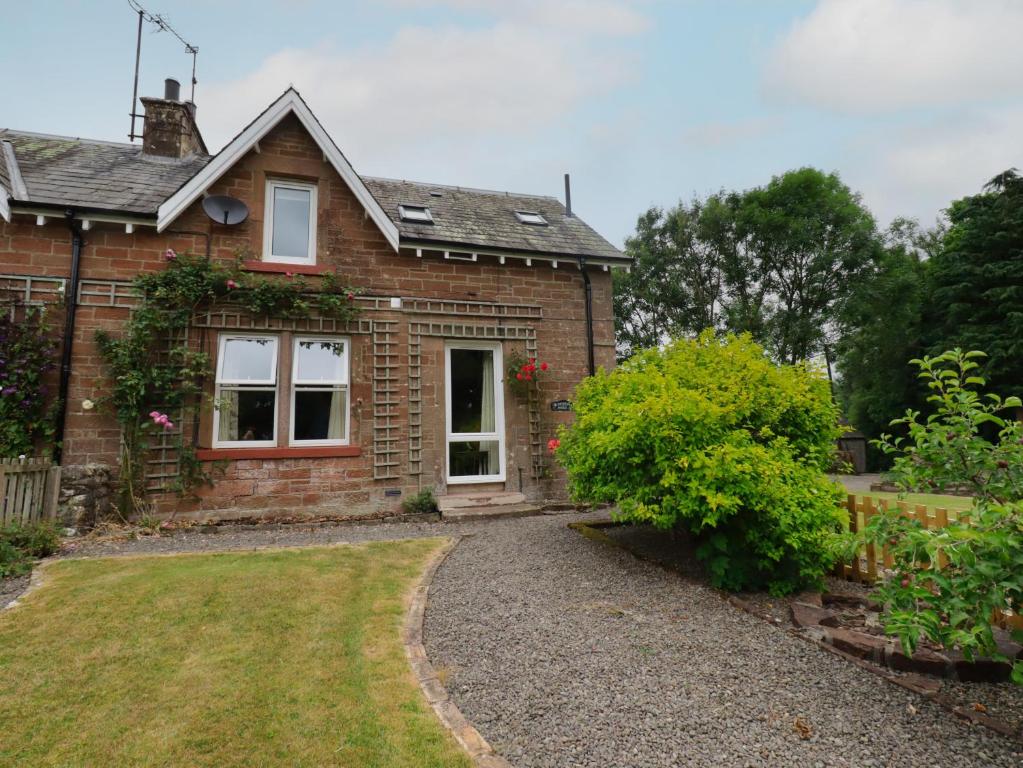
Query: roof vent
x,y
436,193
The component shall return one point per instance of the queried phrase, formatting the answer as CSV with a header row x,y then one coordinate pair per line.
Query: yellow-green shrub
x,y
711,437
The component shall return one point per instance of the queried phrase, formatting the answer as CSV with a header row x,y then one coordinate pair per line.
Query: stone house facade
x,y
312,416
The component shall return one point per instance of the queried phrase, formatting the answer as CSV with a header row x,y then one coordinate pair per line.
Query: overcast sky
x,y
913,102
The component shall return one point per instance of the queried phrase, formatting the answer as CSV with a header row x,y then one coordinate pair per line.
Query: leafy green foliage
x,y
977,279
954,605
775,261
423,503
882,326
711,437
21,544
150,367
28,355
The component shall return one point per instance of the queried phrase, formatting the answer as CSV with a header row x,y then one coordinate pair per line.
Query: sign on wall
x,y
561,405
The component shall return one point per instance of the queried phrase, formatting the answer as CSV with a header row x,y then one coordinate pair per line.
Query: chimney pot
x,y
171,89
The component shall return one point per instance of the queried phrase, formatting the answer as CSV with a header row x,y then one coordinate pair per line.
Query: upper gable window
x,y
417,214
289,225
531,217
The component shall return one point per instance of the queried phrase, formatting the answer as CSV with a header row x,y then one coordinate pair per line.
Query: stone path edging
x,y
35,581
482,754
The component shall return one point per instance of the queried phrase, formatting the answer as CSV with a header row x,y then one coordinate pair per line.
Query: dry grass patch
x,y
270,658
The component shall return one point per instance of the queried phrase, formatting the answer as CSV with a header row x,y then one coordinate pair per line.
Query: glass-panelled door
x,y
475,412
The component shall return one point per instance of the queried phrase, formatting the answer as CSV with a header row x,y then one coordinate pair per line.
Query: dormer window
x,y
289,223
415,214
531,217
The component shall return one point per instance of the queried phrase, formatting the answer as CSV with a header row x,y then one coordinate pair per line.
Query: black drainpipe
x,y
588,288
71,303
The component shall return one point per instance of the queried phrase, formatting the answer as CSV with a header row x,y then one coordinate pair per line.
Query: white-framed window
x,y
245,412
289,222
531,217
319,390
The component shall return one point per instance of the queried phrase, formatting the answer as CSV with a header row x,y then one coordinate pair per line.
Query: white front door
x,y
474,394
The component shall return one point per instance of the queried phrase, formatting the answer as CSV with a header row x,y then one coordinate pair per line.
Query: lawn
x,y
269,658
931,500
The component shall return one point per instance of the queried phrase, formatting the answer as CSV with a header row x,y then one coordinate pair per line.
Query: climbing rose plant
x,y
152,373
709,437
946,584
28,357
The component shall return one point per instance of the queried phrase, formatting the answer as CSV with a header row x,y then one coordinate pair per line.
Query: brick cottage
x,y
311,415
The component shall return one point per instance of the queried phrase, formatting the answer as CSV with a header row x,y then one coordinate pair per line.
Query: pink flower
x,y
154,414
289,274
553,444
169,254
168,425
231,285
162,419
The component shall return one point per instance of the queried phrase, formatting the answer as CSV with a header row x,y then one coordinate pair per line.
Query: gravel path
x,y
568,652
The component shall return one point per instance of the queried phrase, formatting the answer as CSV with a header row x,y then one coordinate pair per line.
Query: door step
x,y
463,514
485,505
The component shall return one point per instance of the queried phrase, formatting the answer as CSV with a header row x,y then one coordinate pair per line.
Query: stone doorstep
x,y
463,514
454,501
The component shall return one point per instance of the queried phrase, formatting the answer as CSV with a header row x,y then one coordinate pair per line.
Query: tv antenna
x,y
160,24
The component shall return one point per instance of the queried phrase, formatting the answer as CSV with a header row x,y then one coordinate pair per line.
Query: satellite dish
x,y
225,210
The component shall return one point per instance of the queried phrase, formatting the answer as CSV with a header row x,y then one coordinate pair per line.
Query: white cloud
x,y
920,169
880,55
449,84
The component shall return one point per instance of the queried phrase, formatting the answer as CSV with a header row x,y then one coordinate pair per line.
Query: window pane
x,y
320,415
246,415
472,390
320,360
248,360
475,458
291,222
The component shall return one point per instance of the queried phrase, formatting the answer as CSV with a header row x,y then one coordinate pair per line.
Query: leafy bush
x,y
28,354
21,544
711,437
423,503
980,561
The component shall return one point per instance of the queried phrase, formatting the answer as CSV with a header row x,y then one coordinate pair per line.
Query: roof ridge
x,y
460,188
39,135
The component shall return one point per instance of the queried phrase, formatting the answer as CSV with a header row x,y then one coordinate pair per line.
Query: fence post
x,y
51,492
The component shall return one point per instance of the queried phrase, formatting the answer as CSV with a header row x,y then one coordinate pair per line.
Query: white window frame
x,y
268,222
265,385
319,386
531,218
470,437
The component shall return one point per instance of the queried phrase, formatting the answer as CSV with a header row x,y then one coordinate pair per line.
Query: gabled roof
x,y
485,218
289,103
92,175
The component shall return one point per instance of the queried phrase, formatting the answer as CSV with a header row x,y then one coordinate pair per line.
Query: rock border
x,y
478,749
35,580
922,685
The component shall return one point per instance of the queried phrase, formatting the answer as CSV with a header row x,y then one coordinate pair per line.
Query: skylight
x,y
531,217
417,214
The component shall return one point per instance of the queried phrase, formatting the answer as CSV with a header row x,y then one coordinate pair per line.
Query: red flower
x,y
553,444
231,284
528,377
532,360
543,366
518,376
351,297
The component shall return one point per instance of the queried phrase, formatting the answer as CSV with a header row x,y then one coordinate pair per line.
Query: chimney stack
x,y
170,129
568,196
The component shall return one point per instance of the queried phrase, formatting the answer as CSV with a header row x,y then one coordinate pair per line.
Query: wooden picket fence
x,y
29,489
871,560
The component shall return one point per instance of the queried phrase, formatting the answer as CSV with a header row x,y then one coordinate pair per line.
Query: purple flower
x,y
9,390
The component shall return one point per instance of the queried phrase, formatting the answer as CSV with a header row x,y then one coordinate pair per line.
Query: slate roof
x,y
97,175
486,219
119,178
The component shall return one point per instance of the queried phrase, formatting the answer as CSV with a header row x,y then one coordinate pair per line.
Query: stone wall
x,y
86,495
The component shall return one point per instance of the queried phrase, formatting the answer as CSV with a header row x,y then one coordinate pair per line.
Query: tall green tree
x,y
674,286
880,329
775,261
978,281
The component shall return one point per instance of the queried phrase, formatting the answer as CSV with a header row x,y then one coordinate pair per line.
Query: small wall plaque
x,y
561,405
392,492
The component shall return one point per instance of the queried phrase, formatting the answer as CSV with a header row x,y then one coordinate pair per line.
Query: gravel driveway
x,y
567,652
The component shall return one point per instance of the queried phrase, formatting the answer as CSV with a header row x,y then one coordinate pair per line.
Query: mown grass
x,y
953,504
270,658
